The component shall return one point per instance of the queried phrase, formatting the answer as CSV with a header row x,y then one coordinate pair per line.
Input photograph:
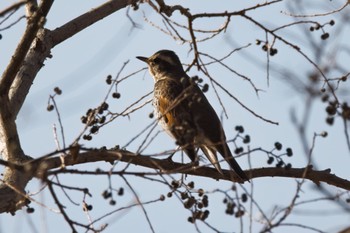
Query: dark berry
x,y
239,128
87,137
106,194
325,98
109,79
162,197
104,106
279,164
278,145
273,51
89,207
94,129
184,195
57,90
330,120
324,134
200,205
331,110
200,192
244,197
270,160
121,192
191,219
50,107
325,36
191,185
205,87
239,150
102,120
246,139
189,203
83,119
116,95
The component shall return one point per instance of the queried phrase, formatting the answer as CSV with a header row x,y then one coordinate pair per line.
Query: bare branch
x,y
13,7
35,23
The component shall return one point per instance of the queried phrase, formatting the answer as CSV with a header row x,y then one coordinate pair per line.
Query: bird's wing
x,y
212,133
205,118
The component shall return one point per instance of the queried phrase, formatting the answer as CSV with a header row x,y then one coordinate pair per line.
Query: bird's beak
x,y
144,59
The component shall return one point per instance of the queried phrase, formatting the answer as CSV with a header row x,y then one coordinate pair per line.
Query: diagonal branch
x,y
46,40
34,24
15,83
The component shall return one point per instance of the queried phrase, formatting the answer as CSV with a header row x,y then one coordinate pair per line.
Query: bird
x,y
184,112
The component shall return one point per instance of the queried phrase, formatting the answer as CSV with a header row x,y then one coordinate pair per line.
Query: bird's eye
x,y
157,60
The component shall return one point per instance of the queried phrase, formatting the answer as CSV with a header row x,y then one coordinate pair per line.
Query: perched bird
x,y
185,113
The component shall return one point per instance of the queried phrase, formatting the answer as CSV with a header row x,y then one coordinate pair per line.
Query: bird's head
x,y
164,63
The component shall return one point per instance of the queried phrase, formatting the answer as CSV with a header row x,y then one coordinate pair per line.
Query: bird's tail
x,y
226,153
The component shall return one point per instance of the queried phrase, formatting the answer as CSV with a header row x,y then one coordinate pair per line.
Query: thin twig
x,y
139,203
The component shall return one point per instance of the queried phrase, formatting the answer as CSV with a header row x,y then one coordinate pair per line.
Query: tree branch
x,y
16,82
46,40
34,24
11,8
43,167
85,20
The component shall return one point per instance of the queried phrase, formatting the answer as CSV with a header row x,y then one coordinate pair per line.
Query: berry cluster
x,y
272,157
197,205
233,205
110,81
50,105
325,35
94,119
334,109
199,81
245,139
267,47
108,194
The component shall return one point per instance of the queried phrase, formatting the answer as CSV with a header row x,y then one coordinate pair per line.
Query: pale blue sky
x,y
79,67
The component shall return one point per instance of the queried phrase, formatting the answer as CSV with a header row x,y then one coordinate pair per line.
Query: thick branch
x,y
46,40
166,166
34,24
11,8
16,82
85,20
41,167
